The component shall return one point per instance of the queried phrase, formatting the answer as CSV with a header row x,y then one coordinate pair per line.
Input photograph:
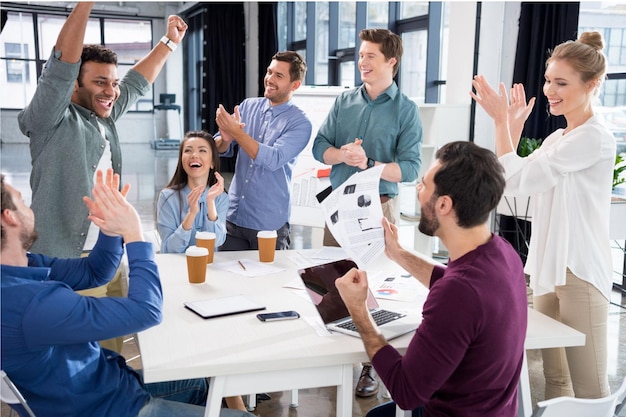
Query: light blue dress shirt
x,y
172,207
390,127
260,192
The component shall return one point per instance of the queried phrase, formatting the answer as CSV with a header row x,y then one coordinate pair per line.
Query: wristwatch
x,y
169,43
370,163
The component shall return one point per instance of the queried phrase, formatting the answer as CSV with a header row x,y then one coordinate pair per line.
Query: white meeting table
x,y
243,355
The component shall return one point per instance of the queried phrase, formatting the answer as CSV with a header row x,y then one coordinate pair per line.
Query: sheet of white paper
x,y
395,286
354,215
252,268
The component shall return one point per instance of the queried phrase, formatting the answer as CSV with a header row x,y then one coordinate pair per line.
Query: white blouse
x,y
569,180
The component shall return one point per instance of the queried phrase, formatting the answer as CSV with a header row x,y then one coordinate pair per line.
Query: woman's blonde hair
x,y
584,55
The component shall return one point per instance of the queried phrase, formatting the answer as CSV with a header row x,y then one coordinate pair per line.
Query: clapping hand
x,y
109,209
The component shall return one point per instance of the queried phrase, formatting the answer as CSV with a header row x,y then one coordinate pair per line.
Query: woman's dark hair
x,y
179,179
473,178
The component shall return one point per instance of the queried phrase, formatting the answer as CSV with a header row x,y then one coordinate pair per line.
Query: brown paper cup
x,y
206,240
267,245
196,264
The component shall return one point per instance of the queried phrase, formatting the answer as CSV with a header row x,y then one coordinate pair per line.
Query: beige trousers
x,y
389,210
579,371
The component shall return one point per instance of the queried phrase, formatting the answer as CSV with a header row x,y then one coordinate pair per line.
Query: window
x,y
17,69
28,39
335,43
609,18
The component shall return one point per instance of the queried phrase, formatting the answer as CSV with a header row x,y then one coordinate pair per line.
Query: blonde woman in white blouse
x,y
569,178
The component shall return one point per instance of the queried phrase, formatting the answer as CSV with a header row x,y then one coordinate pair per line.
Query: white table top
x,y
187,346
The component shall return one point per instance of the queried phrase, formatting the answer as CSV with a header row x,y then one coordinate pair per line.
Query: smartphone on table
x,y
280,315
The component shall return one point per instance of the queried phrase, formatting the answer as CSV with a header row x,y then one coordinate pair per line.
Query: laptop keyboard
x,y
380,317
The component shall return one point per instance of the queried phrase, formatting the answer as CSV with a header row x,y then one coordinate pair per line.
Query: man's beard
x,y
428,220
28,239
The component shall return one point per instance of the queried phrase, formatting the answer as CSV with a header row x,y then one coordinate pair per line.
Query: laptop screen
x,y
319,281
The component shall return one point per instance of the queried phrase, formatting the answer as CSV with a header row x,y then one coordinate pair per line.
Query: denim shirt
x,y
260,192
65,147
172,207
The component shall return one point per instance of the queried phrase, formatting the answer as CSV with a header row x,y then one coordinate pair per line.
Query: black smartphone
x,y
280,315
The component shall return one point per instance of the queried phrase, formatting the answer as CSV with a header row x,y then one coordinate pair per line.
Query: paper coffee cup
x,y
206,240
267,245
196,264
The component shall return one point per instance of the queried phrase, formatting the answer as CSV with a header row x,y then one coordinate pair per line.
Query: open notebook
x,y
319,281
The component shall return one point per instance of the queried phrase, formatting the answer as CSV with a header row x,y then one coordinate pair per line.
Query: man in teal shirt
x,y
371,125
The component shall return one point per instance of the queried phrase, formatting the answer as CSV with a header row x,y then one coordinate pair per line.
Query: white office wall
x,y
496,58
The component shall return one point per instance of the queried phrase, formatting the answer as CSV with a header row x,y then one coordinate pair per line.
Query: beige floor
x,y
148,171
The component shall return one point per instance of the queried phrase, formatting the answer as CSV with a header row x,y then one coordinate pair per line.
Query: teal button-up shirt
x,y
390,127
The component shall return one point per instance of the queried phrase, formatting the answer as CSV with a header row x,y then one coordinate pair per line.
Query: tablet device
x,y
224,306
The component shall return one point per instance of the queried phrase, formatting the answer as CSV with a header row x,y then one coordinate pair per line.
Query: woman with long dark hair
x,y
194,199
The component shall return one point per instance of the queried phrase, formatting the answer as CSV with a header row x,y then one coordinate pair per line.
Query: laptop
x,y
319,281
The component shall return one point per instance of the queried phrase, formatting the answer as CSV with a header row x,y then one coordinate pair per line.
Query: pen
x,y
242,265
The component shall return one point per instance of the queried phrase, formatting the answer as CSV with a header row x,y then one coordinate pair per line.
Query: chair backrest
x,y
11,395
580,407
621,398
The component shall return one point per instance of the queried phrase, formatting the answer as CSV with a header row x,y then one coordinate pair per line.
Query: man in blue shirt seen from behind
x,y
271,132
49,332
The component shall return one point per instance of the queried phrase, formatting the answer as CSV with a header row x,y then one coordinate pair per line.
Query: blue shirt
x,y
172,207
390,127
49,332
260,197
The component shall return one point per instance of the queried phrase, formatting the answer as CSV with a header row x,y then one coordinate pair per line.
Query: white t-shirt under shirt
x,y
104,164
569,180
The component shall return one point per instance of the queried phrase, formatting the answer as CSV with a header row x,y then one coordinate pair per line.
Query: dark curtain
x,y
225,64
542,26
225,57
268,38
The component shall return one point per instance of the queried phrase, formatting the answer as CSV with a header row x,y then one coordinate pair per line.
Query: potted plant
x,y
619,168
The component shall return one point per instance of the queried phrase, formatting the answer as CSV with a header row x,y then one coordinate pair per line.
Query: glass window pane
x,y
346,74
49,27
130,39
347,25
19,31
413,65
377,14
321,43
300,12
413,9
281,18
16,94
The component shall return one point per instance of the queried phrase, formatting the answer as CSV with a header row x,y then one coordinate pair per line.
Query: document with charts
x,y
354,216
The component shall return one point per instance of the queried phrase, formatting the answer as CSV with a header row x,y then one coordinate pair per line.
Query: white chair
x,y
11,395
580,407
621,399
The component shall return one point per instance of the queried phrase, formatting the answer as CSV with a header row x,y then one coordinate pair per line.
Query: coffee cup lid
x,y
196,251
205,235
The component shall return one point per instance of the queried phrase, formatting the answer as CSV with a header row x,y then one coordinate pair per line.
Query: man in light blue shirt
x,y
371,125
271,132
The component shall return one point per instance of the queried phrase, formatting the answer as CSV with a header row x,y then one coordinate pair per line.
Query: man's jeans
x,y
184,398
